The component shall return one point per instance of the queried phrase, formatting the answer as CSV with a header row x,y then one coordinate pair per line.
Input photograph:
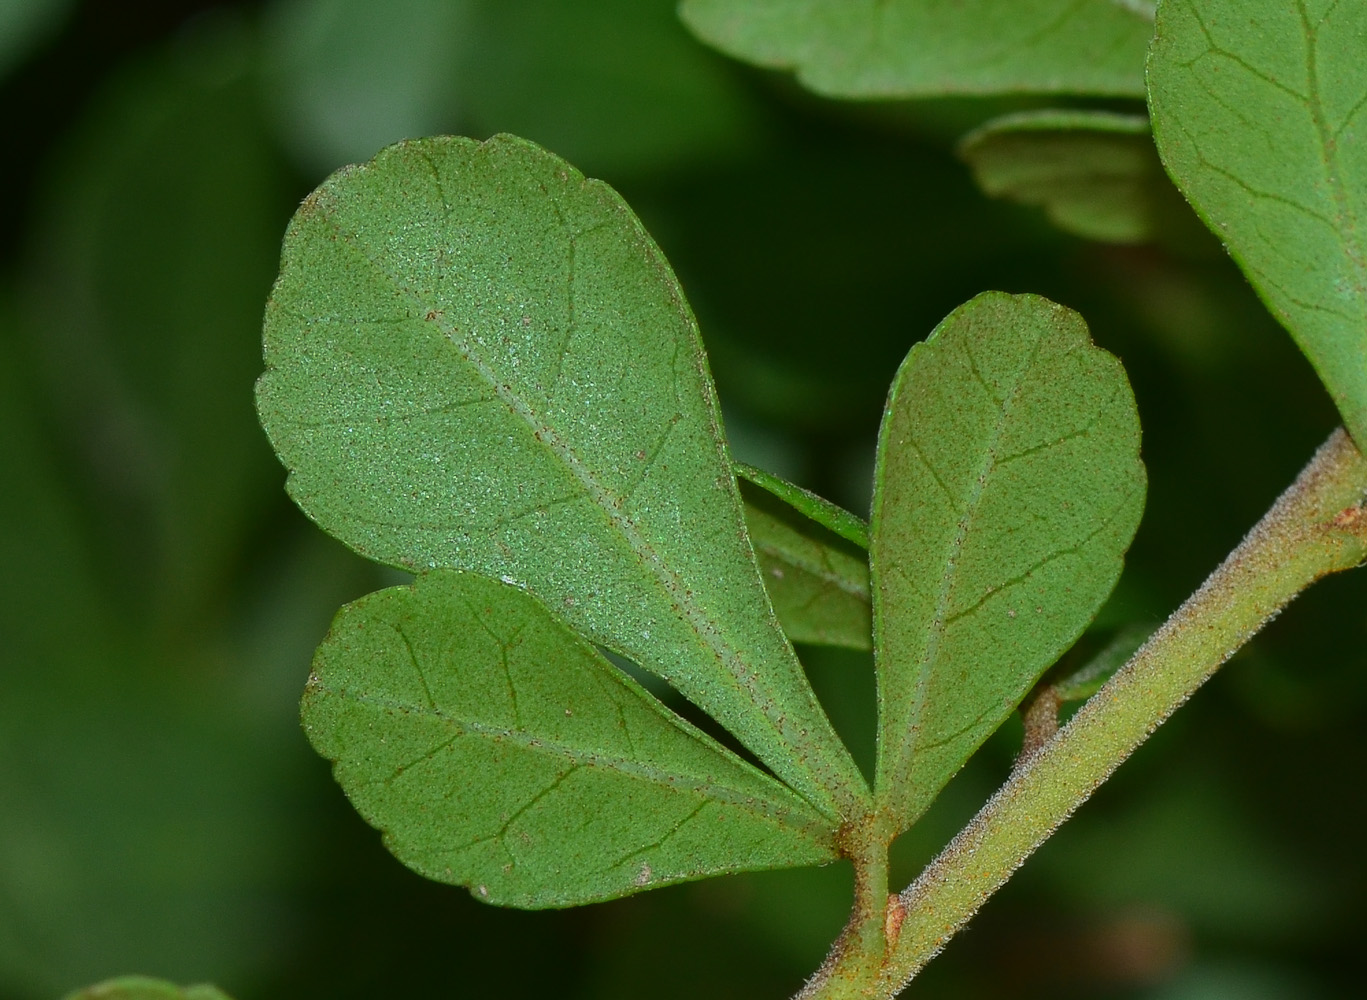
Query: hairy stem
x,y
1318,526
858,956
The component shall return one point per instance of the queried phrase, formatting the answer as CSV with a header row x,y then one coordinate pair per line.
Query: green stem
x,y
1316,527
858,956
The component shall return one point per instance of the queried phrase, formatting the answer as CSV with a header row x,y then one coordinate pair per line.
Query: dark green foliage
x,y
159,808
142,988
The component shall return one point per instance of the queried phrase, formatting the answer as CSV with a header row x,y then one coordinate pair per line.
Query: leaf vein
x,y
1070,550
664,838
735,671
417,667
812,823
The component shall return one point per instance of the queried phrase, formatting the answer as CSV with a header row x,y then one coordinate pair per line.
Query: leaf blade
x,y
498,750
985,569
923,48
1094,173
1275,163
146,988
432,390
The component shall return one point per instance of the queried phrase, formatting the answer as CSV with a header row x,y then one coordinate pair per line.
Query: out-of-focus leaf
x,y
26,24
500,751
143,988
477,359
809,282
616,86
143,818
45,546
816,576
1095,173
1087,680
924,48
1257,110
1008,486
157,250
1190,847
348,77
1241,980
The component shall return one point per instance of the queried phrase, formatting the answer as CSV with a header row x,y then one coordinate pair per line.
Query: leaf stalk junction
x,y
1316,527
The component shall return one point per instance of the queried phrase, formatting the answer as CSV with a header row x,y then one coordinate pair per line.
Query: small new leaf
x,y
1087,680
498,750
1095,173
814,559
838,520
1008,486
1258,113
478,359
924,48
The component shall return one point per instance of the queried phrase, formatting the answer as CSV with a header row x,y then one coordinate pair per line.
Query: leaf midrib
x,y
812,825
1346,217
901,786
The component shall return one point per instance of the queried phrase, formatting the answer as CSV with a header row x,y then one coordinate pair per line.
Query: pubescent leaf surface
x,y
498,750
1095,173
1007,487
921,48
478,359
1258,113
815,571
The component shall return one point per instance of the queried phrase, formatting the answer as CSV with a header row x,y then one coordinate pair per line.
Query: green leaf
x,y
1257,110
144,988
838,520
477,359
1095,173
923,48
1007,487
814,559
499,750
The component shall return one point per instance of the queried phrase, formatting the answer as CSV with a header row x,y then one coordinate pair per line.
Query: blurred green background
x,y
160,811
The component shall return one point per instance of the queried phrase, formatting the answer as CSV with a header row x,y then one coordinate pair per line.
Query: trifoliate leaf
x,y
477,359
